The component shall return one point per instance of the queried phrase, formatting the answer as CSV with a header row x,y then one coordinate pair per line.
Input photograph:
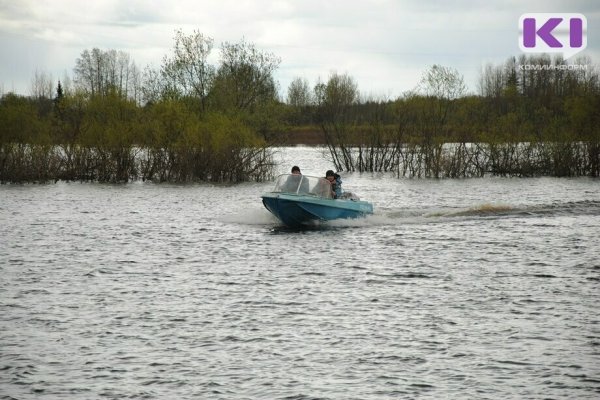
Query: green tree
x,y
111,124
244,79
299,94
188,72
300,101
100,73
25,147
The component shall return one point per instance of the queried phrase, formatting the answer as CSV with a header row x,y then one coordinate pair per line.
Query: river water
x,y
477,289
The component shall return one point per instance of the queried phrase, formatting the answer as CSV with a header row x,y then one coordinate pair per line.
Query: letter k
x,y
545,32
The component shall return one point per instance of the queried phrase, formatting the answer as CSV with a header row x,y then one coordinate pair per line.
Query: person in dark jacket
x,y
336,183
295,179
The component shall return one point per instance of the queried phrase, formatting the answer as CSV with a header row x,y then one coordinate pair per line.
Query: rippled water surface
x,y
483,288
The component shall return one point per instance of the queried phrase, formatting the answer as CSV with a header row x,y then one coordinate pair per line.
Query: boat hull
x,y
295,210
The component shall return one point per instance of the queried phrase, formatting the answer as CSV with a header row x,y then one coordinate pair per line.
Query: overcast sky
x,y
385,45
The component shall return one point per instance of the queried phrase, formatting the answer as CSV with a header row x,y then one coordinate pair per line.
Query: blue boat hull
x,y
295,210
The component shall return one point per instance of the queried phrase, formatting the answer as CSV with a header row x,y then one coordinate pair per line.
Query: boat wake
x,y
488,210
259,216
395,216
480,210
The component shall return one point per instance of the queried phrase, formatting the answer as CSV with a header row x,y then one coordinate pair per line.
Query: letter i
x,y
576,32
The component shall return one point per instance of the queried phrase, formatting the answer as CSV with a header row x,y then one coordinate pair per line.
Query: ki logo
x,y
564,33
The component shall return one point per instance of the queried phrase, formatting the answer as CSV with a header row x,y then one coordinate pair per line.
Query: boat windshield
x,y
303,184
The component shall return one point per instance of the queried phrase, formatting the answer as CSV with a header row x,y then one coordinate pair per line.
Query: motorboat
x,y
299,200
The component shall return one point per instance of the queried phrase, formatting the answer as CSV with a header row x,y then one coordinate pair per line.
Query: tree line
x,y
193,120
533,116
188,120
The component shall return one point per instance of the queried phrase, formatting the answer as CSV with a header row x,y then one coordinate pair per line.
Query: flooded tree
x,y
26,151
439,88
336,116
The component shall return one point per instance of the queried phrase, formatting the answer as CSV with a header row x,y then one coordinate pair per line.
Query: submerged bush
x,y
465,160
111,139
